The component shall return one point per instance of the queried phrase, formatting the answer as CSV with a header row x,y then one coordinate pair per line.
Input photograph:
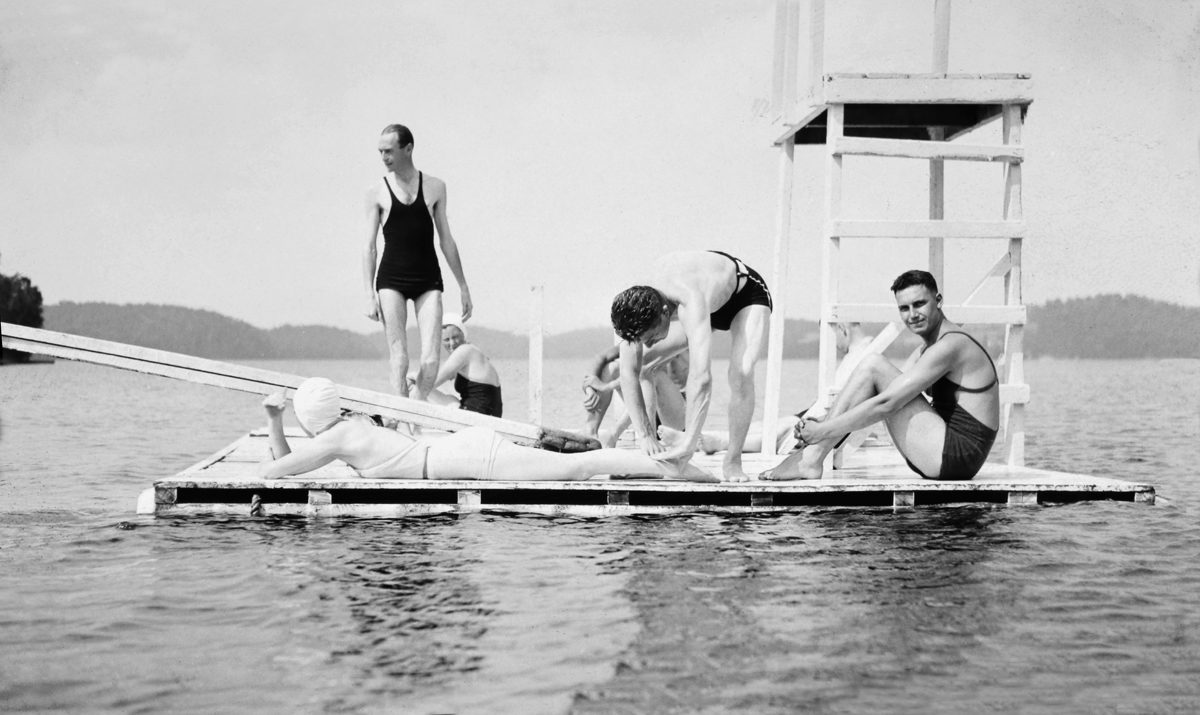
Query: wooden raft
x,y
222,484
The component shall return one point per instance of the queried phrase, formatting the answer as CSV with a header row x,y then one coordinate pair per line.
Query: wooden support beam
x,y
264,382
926,89
904,500
941,36
1014,342
536,320
933,150
937,206
882,312
779,284
830,248
1016,498
469,497
927,229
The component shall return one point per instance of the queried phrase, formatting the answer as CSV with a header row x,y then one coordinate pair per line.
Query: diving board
x,y
264,382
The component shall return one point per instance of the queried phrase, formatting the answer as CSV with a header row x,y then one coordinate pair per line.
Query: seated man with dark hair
x,y
947,437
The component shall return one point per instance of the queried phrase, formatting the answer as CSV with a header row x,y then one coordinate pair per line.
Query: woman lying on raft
x,y
473,453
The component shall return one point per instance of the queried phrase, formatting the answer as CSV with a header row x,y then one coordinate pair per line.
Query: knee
x,y
429,363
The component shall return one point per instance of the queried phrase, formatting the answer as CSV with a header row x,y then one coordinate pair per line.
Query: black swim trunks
x,y
479,397
968,441
752,292
410,263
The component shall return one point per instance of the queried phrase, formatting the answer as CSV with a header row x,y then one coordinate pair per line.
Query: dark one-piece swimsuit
x,y
410,263
478,397
752,292
968,440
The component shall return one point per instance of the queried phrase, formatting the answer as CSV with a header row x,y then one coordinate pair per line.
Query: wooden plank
x,y
937,206
779,285
263,382
927,229
830,248
1014,349
941,36
926,89
536,320
918,149
883,312
1022,498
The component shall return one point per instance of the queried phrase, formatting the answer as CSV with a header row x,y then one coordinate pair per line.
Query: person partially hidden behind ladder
x,y
948,437
473,453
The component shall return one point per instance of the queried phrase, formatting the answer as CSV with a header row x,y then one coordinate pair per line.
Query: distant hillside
x,y
1107,326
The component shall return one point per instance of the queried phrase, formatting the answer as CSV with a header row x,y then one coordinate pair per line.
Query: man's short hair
x,y
915,277
635,310
404,137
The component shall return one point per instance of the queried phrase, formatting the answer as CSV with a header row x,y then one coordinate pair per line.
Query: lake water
x,y
1082,608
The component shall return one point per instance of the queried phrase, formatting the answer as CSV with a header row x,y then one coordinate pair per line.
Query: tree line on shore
x,y
1105,326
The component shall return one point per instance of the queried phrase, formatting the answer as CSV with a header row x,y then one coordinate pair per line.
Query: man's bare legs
x,y
428,307
916,429
748,330
393,311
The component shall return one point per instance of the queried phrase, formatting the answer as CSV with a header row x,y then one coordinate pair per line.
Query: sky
x,y
217,154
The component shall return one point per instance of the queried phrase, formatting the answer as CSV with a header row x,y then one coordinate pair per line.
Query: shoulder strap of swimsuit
x,y
388,184
739,268
995,375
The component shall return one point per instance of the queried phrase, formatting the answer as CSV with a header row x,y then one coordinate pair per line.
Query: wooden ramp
x,y
264,382
222,484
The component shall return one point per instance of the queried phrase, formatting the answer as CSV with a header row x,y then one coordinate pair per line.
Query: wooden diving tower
x,y
903,116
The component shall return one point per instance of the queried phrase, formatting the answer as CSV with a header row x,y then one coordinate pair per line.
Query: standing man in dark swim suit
x,y
947,439
706,291
408,205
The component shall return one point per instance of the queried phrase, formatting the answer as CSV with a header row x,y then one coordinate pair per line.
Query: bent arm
x,y
321,450
699,381
454,364
370,250
450,249
925,370
635,404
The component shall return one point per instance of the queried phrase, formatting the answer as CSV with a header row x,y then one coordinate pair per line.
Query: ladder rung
x,y
915,149
886,312
925,229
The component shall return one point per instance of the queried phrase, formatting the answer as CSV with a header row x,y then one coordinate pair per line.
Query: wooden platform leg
x,y
1022,498
904,500
469,498
319,502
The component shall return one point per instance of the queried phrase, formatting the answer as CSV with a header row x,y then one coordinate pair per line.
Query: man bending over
x,y
706,291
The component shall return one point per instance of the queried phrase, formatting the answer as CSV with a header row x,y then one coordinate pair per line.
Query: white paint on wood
x,y
941,36
883,312
830,248
248,379
927,229
536,317
925,89
779,286
935,149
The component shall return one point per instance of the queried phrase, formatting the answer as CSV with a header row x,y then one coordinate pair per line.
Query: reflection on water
x,y
1082,608
822,608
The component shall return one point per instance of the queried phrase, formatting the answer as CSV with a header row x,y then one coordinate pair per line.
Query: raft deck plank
x,y
224,483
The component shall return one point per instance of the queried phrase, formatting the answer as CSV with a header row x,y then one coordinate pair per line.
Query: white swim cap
x,y
456,320
317,404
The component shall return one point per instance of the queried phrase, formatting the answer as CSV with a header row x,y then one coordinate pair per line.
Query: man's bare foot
x,y
734,472
794,466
